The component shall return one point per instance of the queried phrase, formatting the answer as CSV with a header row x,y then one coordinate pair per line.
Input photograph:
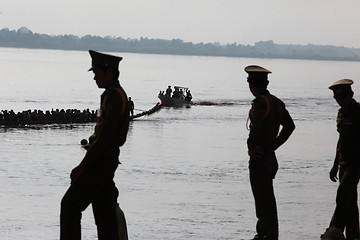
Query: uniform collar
x,y
352,106
114,84
265,92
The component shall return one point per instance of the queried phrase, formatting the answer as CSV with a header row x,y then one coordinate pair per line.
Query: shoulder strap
x,y
267,105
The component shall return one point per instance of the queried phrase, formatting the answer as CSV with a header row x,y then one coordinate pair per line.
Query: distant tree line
x,y
25,38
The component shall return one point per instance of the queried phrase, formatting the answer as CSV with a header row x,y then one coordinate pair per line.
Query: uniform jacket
x,y
111,128
348,126
266,115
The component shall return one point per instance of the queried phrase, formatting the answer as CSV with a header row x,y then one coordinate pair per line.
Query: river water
x,y
184,171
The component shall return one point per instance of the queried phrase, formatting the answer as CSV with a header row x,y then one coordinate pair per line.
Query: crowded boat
x,y
179,97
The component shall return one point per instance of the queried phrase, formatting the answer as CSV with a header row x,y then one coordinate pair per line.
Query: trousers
x,y
261,181
346,214
102,194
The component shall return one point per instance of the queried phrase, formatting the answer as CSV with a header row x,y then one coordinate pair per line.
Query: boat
x,y
154,109
178,97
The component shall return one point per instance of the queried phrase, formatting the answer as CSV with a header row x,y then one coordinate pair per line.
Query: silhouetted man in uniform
x,y
267,113
346,215
92,180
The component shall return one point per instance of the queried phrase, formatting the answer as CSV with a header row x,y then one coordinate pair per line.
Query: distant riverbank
x,y
25,38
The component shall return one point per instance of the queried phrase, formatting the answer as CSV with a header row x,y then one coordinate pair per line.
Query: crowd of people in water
x,y
59,116
178,93
55,116
65,116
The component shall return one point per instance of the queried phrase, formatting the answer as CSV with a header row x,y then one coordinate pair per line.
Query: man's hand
x,y
76,173
333,173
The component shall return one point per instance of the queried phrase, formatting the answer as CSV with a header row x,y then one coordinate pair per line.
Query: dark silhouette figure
x,y
347,160
188,96
176,93
131,106
168,91
92,180
267,114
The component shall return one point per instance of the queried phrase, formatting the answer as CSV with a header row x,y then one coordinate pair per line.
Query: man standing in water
x,y
346,215
92,180
131,106
266,115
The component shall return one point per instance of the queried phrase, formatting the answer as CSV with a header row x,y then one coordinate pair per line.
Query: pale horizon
x,y
321,22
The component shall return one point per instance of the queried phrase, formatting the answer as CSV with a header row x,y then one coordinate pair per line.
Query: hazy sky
x,y
321,22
